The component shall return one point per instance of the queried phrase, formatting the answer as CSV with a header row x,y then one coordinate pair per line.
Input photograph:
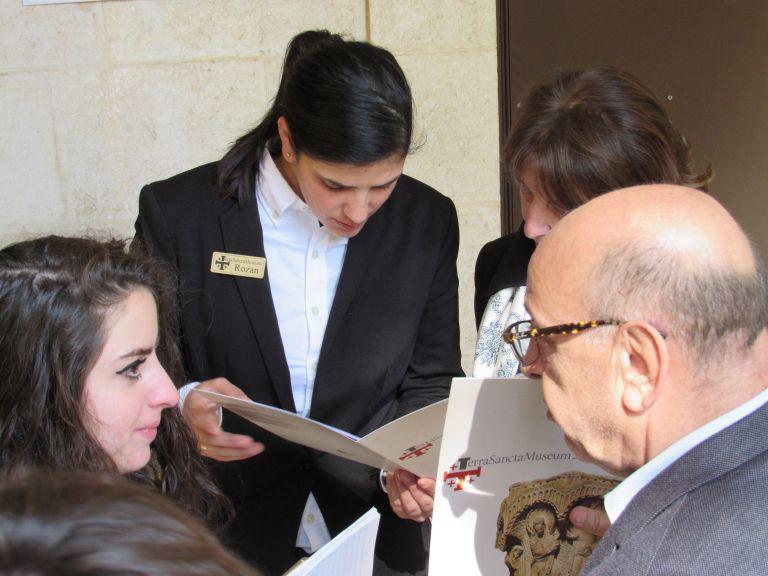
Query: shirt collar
x,y
619,498
274,191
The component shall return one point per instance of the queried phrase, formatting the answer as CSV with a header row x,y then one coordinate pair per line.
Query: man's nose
x,y
531,365
356,208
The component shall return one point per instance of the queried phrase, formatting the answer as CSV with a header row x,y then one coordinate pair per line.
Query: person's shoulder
x,y
188,193
514,248
200,177
412,191
414,202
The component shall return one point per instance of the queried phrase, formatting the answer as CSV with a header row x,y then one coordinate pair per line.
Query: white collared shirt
x,y
617,500
304,262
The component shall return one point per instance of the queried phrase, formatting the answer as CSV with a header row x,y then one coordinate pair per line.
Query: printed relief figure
x,y
541,541
533,528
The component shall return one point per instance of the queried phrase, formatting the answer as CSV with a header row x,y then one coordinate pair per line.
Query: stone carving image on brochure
x,y
533,530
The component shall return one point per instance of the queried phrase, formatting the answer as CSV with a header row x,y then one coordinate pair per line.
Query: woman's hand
x,y
411,497
204,417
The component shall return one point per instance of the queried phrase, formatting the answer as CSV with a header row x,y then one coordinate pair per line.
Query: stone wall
x,y
99,98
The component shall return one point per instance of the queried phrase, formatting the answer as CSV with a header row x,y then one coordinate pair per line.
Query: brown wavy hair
x,y
592,131
55,293
82,523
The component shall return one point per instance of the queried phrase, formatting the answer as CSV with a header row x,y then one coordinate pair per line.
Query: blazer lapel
x,y
242,234
360,252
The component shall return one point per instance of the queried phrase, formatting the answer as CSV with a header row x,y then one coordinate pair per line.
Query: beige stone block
x,y
172,117
429,26
49,36
150,31
86,143
456,122
29,175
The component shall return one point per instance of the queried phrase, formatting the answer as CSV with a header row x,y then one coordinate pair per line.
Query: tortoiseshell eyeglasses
x,y
523,336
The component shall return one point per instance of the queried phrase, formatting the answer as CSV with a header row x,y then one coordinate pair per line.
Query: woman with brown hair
x,y
85,341
81,524
584,134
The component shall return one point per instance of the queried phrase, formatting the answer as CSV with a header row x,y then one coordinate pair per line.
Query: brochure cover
x,y
411,442
506,483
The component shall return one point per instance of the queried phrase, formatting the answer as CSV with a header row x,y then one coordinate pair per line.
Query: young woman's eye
x,y
132,370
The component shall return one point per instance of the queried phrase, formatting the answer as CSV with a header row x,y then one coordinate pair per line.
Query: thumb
x,y
593,521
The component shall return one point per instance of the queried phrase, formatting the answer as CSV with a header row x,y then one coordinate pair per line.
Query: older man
x,y
663,378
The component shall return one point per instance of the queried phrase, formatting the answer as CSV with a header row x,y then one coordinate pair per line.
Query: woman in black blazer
x,y
347,313
585,133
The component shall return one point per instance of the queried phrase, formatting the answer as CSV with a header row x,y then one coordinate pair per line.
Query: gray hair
x,y
714,311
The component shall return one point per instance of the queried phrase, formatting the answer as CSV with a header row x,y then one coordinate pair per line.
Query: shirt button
x,y
315,254
315,310
276,213
310,518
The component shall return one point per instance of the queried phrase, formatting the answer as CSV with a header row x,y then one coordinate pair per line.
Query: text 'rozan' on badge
x,y
238,265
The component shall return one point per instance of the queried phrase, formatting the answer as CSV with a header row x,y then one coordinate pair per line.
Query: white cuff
x,y
184,392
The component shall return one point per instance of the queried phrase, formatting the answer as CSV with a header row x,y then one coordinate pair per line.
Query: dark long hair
x,y
81,524
591,131
344,101
54,296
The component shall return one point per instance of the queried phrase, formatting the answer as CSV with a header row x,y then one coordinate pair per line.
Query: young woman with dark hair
x,y
584,134
318,278
84,342
83,524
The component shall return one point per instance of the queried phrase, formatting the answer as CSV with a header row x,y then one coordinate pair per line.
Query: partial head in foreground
x,y
588,132
82,524
85,336
685,298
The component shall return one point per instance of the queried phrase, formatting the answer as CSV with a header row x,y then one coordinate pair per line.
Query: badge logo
x,y
238,265
460,474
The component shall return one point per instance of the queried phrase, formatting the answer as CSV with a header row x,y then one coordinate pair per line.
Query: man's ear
x,y
640,361
284,132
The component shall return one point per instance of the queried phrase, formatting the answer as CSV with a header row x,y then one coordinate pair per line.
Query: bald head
x,y
673,218
666,254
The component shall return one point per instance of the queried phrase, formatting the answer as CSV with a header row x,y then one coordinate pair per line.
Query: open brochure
x,y
350,552
506,483
411,442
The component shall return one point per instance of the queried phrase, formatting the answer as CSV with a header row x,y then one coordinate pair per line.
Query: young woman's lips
x,y
149,432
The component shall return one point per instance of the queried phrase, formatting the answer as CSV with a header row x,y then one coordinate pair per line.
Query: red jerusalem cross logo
x,y
416,451
460,474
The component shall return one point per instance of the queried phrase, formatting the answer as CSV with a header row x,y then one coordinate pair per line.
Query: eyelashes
x,y
132,370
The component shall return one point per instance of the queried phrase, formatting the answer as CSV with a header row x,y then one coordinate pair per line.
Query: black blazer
x,y
391,345
502,263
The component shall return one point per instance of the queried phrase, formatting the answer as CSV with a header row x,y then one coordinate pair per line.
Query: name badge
x,y
238,265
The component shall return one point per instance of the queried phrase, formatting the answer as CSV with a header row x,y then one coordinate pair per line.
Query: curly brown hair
x,y
55,293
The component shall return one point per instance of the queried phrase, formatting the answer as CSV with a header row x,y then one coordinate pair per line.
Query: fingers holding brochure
x,y
204,417
411,497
